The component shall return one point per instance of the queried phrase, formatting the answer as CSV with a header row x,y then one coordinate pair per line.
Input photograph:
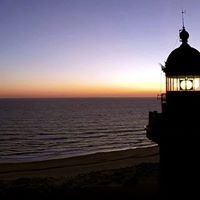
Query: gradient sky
x,y
72,48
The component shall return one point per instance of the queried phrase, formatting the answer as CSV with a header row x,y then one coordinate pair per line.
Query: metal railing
x,y
162,97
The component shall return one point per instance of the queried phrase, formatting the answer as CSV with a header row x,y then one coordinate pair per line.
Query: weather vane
x,y
183,12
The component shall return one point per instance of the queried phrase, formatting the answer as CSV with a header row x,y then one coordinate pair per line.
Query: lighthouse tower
x,y
177,128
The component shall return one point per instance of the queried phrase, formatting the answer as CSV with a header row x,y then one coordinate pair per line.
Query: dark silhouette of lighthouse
x,y
177,128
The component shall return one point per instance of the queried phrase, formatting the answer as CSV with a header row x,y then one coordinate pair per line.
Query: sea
x,y
43,129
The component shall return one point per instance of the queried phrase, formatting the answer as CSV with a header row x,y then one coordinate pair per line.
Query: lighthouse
x,y
176,128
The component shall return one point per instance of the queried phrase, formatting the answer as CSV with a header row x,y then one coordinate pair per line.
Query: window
x,y
183,83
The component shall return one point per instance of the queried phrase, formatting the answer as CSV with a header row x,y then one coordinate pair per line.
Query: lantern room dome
x,y
184,60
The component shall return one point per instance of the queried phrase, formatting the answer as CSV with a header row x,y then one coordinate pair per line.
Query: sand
x,y
133,172
74,166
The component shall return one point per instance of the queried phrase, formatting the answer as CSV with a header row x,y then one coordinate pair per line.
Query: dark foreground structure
x,y
177,128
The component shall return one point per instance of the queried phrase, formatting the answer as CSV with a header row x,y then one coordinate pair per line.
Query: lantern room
x,y
182,67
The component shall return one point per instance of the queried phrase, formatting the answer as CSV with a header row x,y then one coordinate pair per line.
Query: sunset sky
x,y
89,48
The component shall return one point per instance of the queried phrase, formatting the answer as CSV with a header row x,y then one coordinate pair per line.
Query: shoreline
x,y
73,166
47,158
126,174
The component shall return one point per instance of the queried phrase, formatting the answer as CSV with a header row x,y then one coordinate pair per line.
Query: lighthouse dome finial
x,y
183,34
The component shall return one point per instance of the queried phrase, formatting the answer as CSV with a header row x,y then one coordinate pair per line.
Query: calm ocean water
x,y
40,129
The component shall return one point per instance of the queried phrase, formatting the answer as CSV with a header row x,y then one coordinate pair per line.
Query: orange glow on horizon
x,y
46,91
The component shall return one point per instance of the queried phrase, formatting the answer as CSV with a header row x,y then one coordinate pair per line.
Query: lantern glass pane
x,y
183,83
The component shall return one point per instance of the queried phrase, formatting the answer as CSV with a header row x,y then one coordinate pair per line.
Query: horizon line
x,y
79,97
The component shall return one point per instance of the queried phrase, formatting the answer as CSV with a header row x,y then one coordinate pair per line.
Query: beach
x,y
127,172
